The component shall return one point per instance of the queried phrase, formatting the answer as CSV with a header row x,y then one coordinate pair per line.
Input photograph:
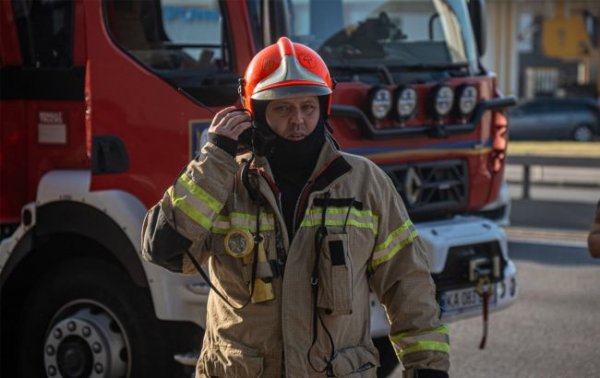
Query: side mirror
x,y
477,14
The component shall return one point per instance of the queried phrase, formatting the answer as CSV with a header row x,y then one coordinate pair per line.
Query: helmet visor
x,y
291,91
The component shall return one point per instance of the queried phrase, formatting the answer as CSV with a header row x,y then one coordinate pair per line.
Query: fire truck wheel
x,y
87,319
387,357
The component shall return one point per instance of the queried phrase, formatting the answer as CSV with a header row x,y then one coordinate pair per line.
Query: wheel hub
x,y
85,344
583,134
74,357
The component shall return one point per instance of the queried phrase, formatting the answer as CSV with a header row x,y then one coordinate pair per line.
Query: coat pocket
x,y
230,361
355,362
335,276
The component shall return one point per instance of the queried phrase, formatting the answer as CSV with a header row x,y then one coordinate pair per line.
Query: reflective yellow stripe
x,y
337,217
243,221
397,338
200,193
420,346
397,232
181,204
244,216
338,222
380,260
340,210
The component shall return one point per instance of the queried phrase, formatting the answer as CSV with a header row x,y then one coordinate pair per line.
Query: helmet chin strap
x,y
263,140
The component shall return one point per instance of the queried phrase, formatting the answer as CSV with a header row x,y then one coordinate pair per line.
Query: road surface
x,y
553,329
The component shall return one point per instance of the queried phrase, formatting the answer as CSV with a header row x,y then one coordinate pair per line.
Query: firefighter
x,y
594,236
295,234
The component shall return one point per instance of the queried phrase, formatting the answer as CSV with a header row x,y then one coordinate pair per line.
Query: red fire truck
x,y
103,102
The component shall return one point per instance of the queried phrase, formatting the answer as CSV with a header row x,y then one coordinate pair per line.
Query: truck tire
x,y
85,318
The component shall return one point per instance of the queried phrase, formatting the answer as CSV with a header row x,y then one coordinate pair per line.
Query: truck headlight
x,y
381,102
442,99
406,102
467,99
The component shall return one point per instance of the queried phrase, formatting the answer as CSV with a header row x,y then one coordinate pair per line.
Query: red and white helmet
x,y
285,69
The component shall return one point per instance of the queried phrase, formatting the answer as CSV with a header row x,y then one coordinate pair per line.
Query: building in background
x,y
545,48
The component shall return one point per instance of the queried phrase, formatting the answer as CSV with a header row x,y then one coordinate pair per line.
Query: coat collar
x,y
329,153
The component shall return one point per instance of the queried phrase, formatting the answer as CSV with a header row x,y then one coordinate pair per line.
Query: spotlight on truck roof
x,y
467,99
441,100
406,102
381,102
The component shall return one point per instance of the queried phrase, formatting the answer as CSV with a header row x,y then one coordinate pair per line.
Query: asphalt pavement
x,y
552,215
552,329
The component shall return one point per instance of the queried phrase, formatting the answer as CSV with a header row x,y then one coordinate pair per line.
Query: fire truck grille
x,y
433,189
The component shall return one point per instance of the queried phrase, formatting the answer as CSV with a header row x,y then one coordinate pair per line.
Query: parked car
x,y
555,119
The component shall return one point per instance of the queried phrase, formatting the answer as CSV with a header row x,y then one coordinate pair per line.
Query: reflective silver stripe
x,y
398,239
195,201
181,204
435,339
289,69
243,221
338,216
402,339
423,346
198,192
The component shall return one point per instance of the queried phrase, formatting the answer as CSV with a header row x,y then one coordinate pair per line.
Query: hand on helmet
x,y
230,122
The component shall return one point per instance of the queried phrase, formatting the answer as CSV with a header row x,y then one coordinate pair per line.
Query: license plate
x,y
462,299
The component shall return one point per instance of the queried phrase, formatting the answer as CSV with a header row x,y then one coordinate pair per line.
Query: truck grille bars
x,y
430,189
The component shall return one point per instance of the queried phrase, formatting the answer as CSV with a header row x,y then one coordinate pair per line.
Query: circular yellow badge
x,y
239,243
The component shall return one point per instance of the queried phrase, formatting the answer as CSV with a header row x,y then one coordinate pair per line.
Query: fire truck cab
x,y
104,101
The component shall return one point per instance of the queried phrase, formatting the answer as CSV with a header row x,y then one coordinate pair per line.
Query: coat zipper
x,y
303,197
300,201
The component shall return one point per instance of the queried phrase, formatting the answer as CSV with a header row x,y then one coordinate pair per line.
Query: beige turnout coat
x,y
370,244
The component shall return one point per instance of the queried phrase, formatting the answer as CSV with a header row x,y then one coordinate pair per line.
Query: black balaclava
x,y
292,162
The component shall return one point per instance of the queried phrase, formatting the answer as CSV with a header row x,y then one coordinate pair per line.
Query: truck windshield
x,y
403,35
182,41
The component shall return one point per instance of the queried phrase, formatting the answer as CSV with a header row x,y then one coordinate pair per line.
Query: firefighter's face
x,y
293,118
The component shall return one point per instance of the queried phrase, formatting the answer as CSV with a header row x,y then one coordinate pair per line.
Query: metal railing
x,y
527,161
